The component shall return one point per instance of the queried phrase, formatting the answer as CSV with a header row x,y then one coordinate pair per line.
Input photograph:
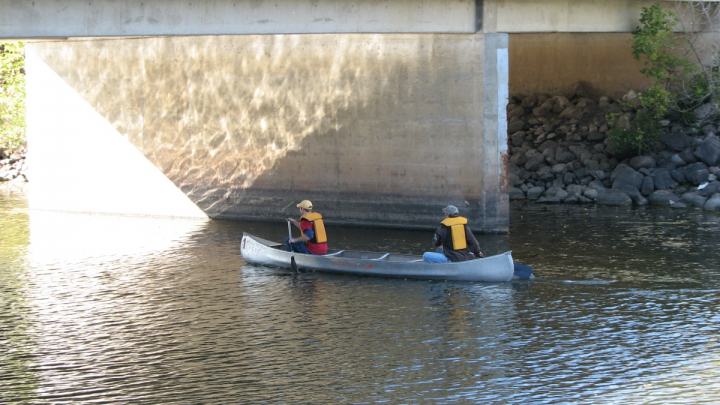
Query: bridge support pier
x,y
376,129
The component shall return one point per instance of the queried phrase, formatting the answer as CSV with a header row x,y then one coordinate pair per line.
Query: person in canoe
x,y
455,239
313,239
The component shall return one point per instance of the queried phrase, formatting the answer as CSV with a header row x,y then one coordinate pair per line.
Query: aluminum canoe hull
x,y
498,268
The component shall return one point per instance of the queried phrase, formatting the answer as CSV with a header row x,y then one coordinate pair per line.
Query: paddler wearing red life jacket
x,y
455,238
313,237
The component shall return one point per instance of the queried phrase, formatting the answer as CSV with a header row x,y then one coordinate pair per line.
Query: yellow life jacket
x,y
457,230
318,226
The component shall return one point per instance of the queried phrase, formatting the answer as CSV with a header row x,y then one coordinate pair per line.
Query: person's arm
x,y
437,239
303,238
306,236
473,244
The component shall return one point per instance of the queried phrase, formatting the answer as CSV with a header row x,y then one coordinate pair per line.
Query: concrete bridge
x,y
380,112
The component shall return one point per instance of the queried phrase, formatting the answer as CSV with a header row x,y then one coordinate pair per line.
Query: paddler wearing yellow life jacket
x,y
313,237
455,239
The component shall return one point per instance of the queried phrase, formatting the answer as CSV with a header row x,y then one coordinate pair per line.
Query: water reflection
x,y
120,310
16,338
619,244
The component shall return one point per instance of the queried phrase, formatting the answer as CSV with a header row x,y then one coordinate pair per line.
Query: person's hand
x,y
480,255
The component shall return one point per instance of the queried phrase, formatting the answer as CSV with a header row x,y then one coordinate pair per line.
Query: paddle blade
x,y
522,271
293,265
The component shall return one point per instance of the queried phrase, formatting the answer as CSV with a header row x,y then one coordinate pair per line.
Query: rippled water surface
x,y
136,310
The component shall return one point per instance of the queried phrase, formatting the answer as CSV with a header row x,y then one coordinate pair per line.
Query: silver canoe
x,y
498,268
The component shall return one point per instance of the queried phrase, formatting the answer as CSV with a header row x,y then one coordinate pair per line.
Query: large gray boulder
x,y
517,138
642,162
663,197
534,162
709,150
516,194
578,151
556,192
591,193
548,145
693,199
696,173
626,176
515,125
704,111
575,190
518,159
560,168
529,102
710,189
571,112
678,176
610,196
596,184
634,195
688,156
677,141
713,204
569,178
535,192
663,180
517,112
648,186
563,155
677,161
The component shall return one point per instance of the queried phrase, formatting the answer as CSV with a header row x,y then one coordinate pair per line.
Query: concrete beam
x,y
529,16
110,18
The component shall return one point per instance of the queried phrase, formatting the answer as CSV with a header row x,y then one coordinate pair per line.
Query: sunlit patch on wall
x,y
79,162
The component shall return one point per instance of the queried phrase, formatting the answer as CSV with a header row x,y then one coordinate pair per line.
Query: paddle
x,y
522,271
293,265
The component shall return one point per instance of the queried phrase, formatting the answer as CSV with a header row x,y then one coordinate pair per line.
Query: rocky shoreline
x,y
12,168
559,152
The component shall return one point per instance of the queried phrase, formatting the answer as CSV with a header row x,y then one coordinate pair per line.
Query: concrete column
x,y
495,100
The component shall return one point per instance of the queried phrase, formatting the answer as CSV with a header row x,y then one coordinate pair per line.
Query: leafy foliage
x,y
657,45
12,95
698,94
634,136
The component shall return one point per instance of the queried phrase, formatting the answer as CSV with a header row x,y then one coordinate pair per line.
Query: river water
x,y
104,309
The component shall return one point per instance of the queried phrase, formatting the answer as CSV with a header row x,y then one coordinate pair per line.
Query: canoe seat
x,y
383,257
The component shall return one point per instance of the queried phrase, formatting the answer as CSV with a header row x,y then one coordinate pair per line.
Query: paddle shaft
x,y
293,265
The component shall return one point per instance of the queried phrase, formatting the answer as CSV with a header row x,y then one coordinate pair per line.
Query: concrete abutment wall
x,y
376,129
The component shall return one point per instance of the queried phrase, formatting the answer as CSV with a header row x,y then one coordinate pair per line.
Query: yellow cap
x,y
305,204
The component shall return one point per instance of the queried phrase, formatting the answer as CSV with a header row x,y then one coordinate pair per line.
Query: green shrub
x,y
636,135
12,95
656,44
